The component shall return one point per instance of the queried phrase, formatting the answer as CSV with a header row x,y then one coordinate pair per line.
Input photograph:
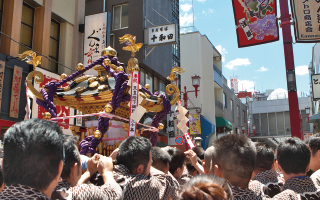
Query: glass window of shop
x,y
162,87
54,45
142,78
121,16
149,80
27,23
156,84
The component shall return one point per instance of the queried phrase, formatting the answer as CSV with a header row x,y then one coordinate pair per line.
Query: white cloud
x,y
186,19
262,69
210,10
246,85
302,70
222,51
186,7
237,62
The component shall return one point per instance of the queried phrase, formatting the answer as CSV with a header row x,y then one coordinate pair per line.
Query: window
x,y
54,45
162,87
224,100
142,77
1,11
238,111
231,108
26,32
121,16
149,80
156,84
244,116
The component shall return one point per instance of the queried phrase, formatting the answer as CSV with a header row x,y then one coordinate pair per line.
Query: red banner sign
x,y
256,21
15,92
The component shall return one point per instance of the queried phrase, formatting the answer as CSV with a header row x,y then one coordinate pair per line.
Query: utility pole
x,y
290,71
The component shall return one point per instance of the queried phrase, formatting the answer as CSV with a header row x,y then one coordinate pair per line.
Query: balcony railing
x,y
217,76
219,104
217,69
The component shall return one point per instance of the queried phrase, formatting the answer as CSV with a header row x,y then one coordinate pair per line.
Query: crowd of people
x,y
39,162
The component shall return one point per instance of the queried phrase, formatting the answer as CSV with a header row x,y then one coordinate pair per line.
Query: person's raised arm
x,y
105,168
91,169
193,158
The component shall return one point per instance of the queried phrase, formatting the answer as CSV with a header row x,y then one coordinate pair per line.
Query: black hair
x,y
199,151
177,159
265,156
134,151
235,155
314,143
33,150
71,155
160,158
1,178
293,156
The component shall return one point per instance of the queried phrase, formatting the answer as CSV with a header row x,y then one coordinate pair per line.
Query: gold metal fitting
x,y
108,108
119,69
102,78
80,90
102,88
90,80
147,86
106,62
97,134
94,85
161,126
109,51
80,66
63,76
46,116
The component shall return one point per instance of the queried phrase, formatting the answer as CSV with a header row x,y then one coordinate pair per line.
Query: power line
x,y
35,51
158,13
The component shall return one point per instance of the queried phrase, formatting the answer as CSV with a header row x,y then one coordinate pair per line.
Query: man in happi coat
x,y
293,157
135,175
71,176
264,172
33,159
235,157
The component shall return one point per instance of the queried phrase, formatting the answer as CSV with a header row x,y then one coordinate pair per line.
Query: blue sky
x,y
261,67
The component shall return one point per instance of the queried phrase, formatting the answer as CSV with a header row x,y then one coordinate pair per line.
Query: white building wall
x,y
197,57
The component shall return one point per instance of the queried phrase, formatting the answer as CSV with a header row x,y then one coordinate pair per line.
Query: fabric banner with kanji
x,y
256,21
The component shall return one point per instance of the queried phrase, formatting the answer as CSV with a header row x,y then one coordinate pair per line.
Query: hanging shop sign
x,y
256,22
194,124
62,111
96,37
15,92
307,20
2,67
161,35
315,79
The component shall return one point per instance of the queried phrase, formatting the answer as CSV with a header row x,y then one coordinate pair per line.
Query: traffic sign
x,y
179,140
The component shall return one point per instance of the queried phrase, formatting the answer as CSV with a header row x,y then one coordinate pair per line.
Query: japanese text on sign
x,y
15,92
134,101
161,34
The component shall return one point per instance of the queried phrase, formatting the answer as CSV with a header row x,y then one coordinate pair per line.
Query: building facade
x,y
49,27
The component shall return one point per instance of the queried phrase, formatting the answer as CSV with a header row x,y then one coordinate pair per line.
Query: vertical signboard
x,y
307,20
134,102
96,37
15,92
256,21
234,83
2,67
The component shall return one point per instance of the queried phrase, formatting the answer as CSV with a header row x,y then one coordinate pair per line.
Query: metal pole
x,y
289,62
185,97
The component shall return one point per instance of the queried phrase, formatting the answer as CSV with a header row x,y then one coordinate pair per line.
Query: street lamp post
x,y
307,109
195,84
254,129
243,128
198,141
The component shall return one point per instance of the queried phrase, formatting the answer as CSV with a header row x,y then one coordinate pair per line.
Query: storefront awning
x,y
314,118
221,122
